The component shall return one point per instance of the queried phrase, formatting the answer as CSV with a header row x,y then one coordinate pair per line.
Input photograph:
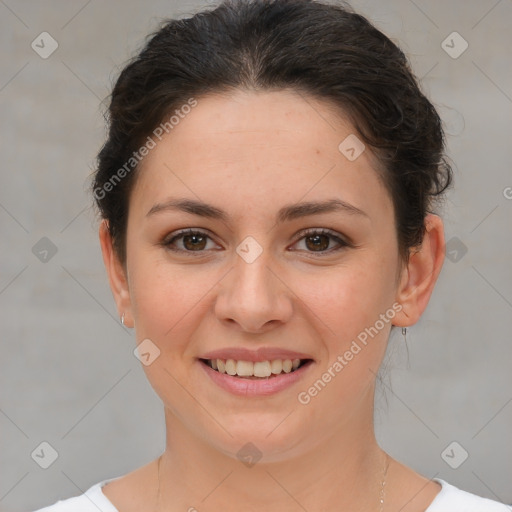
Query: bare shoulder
x,y
134,490
409,491
406,490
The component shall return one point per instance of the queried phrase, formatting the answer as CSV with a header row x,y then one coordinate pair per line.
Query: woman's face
x,y
262,278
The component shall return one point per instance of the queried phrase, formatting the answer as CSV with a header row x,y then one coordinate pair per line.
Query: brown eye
x,y
191,241
319,241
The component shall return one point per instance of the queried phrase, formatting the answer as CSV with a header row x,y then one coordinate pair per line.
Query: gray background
x,y
68,374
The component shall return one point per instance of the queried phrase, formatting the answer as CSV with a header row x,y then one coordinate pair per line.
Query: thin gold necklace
x,y
382,493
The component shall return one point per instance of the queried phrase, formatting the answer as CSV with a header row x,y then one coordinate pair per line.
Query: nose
x,y
253,296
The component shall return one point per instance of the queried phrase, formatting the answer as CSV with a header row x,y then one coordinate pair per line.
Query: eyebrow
x,y
287,213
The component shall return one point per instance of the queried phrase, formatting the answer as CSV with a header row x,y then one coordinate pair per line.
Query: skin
x,y
250,154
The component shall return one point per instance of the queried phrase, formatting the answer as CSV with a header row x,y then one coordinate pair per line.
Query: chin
x,y
268,439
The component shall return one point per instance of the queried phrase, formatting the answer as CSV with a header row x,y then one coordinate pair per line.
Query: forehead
x,y
256,145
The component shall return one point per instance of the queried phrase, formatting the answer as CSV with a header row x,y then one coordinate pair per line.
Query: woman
x,y
266,194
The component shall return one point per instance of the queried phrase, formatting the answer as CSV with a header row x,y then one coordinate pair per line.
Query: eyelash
x,y
303,234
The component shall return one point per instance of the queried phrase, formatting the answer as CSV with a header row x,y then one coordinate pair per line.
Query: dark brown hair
x,y
323,50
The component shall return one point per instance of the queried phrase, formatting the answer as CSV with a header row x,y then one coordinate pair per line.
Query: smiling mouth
x,y
255,370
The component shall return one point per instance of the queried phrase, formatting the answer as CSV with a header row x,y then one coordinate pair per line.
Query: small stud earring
x,y
122,318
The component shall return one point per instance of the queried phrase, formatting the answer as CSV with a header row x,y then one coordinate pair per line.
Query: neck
x,y
343,471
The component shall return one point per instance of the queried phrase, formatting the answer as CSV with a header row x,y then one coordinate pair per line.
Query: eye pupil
x,y
318,242
194,237
196,241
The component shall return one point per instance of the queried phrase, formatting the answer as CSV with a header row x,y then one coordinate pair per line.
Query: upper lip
x,y
260,354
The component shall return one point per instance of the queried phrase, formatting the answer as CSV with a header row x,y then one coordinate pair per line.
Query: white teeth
x,y
244,368
276,366
260,369
231,367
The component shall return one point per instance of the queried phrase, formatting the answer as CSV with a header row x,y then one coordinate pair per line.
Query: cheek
x,y
347,308
168,303
347,304
165,299
349,298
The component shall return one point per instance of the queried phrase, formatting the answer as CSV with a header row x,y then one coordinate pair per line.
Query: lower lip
x,y
255,387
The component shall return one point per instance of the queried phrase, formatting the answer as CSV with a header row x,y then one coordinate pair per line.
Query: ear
x,y
421,272
116,275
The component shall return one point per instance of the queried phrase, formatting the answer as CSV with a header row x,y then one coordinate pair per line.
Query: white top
x,y
449,499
